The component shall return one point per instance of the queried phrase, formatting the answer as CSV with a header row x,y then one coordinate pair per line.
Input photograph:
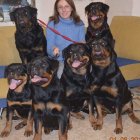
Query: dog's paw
x,y
47,131
78,115
20,125
97,126
118,130
28,133
5,133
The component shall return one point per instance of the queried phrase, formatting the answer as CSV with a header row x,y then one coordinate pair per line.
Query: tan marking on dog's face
x,y
51,106
48,76
112,91
81,70
99,23
39,106
102,63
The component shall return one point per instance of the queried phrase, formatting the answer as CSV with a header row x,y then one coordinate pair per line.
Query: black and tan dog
x,y
29,37
108,86
75,77
49,106
19,99
97,22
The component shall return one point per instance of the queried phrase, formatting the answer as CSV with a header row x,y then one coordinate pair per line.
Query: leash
x,y
55,31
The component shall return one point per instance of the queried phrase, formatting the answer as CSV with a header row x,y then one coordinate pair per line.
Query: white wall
x,y
117,7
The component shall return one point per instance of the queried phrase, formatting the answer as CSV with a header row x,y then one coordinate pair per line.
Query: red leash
x,y
56,32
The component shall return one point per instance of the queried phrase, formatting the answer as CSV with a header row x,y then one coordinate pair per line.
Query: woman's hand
x,y
56,51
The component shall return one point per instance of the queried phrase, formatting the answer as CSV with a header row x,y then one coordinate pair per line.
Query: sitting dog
x,y
29,37
108,86
97,22
19,99
49,106
75,77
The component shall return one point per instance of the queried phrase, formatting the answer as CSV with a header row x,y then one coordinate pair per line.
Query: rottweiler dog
x,y
29,36
108,86
19,99
75,77
49,106
97,22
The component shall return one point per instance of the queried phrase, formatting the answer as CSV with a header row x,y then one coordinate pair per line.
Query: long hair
x,y
74,14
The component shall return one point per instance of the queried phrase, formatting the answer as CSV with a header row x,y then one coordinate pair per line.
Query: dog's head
x,y
97,14
102,53
25,18
76,56
16,74
42,70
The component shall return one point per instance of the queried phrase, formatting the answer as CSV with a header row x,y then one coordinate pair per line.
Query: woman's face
x,y
64,9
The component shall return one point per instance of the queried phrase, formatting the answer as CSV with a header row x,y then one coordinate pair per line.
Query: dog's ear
x,y
34,12
105,8
87,8
12,15
54,64
65,51
6,72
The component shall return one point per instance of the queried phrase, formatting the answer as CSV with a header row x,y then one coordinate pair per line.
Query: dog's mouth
x,y
76,64
14,83
39,80
95,18
99,55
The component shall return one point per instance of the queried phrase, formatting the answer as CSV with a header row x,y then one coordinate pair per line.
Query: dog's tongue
x,y
94,18
76,64
14,83
38,79
98,53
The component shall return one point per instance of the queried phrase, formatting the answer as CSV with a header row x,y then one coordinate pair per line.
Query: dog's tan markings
x,y
29,128
49,77
11,103
39,106
92,118
51,106
6,131
100,22
38,134
112,91
102,63
119,127
62,136
78,115
81,70
99,123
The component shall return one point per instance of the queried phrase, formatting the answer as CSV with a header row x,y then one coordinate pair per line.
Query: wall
x,y
117,7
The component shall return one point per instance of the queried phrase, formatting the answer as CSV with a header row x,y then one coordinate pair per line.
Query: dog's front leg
x,y
119,127
6,131
99,122
92,118
29,128
38,111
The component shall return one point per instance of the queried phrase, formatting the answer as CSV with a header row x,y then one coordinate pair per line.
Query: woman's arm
x,y
82,33
50,36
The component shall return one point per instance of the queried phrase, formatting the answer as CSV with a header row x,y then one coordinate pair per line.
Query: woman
x,y
66,21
